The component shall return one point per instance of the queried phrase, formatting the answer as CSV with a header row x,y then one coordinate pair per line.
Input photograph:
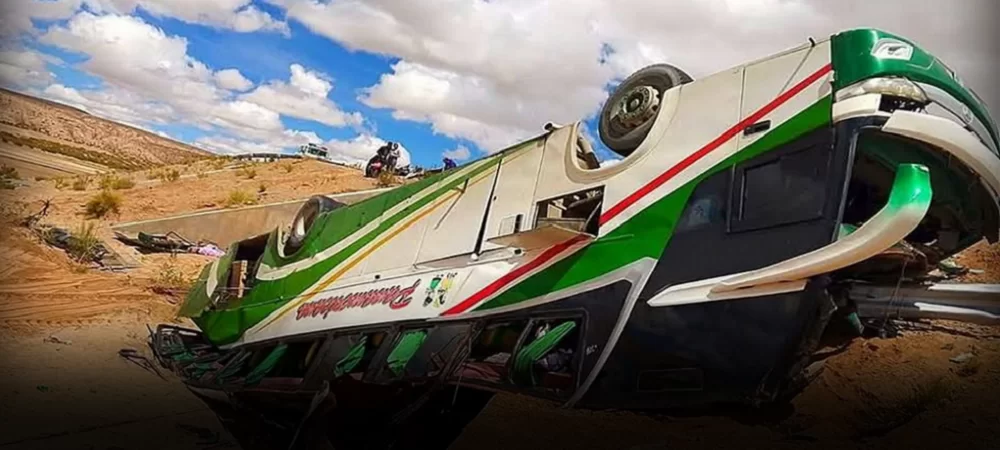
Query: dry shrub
x,y
9,172
80,183
171,175
115,182
102,204
239,198
170,280
83,243
248,171
385,179
7,177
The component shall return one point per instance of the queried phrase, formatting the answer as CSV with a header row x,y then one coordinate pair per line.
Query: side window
x,y
789,188
283,363
490,353
539,355
546,360
441,345
578,211
353,354
297,359
705,208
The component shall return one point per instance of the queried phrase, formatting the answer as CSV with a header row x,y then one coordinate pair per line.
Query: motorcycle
x,y
374,167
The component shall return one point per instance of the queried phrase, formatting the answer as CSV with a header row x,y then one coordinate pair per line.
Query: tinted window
x,y
297,359
789,188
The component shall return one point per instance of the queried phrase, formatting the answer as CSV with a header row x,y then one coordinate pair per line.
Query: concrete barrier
x,y
225,226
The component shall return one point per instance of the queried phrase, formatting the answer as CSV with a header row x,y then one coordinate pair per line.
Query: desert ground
x,y
63,323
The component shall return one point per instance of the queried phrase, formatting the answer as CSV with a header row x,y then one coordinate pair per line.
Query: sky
x,y
455,78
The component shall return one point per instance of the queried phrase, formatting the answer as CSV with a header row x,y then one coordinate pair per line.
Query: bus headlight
x,y
896,87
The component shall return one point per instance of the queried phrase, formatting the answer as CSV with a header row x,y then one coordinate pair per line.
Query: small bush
x,y
60,183
385,179
7,177
248,172
83,246
102,204
171,175
289,168
170,280
80,184
202,174
116,183
9,173
239,198
262,188
40,178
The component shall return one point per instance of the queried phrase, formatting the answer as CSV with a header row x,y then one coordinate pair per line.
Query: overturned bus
x,y
697,272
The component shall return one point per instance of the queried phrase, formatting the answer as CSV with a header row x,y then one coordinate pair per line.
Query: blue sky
x,y
261,57
440,77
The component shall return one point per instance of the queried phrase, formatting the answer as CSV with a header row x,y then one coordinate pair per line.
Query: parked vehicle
x,y
698,272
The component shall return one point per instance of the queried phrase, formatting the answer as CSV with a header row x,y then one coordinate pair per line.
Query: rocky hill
x,y
57,128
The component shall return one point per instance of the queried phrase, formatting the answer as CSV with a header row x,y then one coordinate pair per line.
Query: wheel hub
x,y
637,106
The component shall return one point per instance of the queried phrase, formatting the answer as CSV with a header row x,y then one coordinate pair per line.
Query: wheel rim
x,y
636,107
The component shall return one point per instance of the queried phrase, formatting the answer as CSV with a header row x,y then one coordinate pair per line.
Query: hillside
x,y
57,128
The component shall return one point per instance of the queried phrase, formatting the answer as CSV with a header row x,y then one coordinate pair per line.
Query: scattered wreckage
x,y
750,209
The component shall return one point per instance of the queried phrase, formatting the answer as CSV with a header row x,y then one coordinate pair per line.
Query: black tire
x,y
305,218
622,141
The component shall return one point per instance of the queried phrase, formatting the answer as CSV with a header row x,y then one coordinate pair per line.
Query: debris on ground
x,y
132,355
56,340
83,247
962,358
169,242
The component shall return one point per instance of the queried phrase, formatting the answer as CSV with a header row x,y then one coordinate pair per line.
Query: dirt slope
x,y
39,286
200,186
76,131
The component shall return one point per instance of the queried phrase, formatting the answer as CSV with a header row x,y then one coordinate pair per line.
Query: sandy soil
x,y
62,384
200,187
981,257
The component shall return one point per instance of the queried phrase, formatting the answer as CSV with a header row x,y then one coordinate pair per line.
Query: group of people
x,y
387,156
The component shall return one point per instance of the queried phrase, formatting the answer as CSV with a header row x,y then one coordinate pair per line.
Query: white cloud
x,y
313,83
460,153
361,149
127,52
149,78
116,104
304,97
66,95
494,72
232,80
272,142
16,15
237,15
24,68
